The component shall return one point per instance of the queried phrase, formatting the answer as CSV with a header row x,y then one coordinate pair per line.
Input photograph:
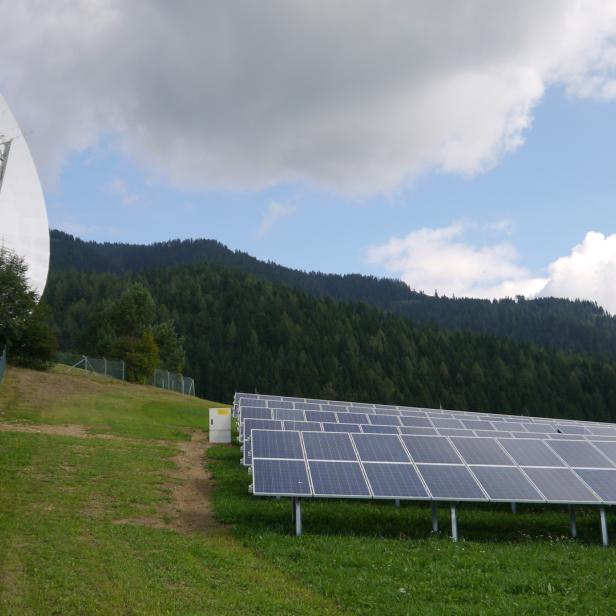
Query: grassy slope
x,y
60,550
374,559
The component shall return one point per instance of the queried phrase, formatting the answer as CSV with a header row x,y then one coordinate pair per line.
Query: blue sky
x,y
558,185
464,147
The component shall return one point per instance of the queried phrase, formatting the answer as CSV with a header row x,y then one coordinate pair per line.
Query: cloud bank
x,y
354,96
440,260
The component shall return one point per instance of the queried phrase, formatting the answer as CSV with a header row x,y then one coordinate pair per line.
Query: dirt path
x,y
190,509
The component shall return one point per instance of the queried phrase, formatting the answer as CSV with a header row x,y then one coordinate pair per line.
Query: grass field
x,y
87,527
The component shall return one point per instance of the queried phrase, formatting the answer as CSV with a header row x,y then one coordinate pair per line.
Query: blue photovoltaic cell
x,y
291,399
508,426
436,449
335,408
450,482
356,418
368,429
328,446
380,448
384,420
506,483
602,481
447,423
477,424
338,479
252,402
289,414
557,436
386,407
394,481
247,453
303,426
528,435
560,485
608,448
572,429
276,444
307,406
602,430
341,427
530,452
284,477
542,428
415,413
253,412
580,453
416,422
453,432
321,416
280,404
492,434
260,424
477,450
422,431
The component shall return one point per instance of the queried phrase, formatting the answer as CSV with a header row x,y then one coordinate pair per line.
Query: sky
x,y
467,148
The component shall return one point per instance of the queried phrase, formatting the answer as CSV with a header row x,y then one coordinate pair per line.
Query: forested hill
x,y
244,333
559,324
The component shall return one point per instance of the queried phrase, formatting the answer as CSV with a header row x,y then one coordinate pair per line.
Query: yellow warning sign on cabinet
x,y
223,411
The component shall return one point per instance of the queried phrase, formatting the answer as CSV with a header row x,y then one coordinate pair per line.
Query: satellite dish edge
x,y
24,228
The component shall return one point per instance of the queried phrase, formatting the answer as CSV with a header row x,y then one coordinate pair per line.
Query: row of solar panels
x,y
309,426
415,467
259,401
419,418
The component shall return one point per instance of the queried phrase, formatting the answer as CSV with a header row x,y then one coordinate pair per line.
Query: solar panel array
x,y
417,467
284,413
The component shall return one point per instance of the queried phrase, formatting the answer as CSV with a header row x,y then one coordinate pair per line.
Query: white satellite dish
x,y
24,228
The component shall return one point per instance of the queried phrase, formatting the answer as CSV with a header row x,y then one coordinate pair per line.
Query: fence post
x,y
105,363
123,370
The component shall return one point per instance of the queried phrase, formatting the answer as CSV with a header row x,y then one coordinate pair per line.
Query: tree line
x,y
241,332
559,324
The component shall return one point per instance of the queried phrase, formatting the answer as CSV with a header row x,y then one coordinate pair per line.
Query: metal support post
x,y
292,509
572,522
454,523
105,361
397,502
514,508
298,517
434,517
604,537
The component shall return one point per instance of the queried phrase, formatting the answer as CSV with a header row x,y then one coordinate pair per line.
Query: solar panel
x,y
302,426
280,404
308,406
341,427
447,423
508,426
572,429
580,453
506,483
380,448
276,444
335,408
528,435
560,485
450,482
422,431
338,479
379,429
395,481
384,420
481,451
253,412
321,416
416,422
541,428
435,449
530,452
602,430
448,432
608,448
602,481
290,414
355,418
492,434
476,424
253,402
280,477
328,446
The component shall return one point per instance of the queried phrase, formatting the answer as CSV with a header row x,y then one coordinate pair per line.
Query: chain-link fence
x,y
116,368
2,365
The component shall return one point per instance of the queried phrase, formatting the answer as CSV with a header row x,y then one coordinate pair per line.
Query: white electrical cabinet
x,y
220,425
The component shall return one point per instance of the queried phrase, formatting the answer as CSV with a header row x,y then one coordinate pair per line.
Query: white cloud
x,y
432,260
355,96
589,272
274,213
440,260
